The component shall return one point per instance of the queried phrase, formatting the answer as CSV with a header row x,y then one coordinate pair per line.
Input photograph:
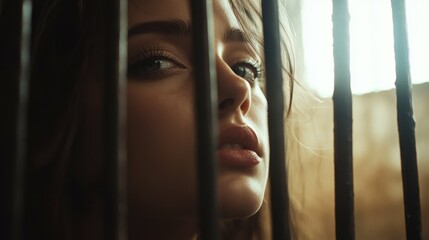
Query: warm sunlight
x,y
371,39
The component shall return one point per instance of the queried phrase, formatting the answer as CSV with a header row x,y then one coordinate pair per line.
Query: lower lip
x,y
238,158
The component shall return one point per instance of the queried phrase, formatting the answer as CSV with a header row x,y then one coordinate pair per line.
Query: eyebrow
x,y
235,35
180,28
167,27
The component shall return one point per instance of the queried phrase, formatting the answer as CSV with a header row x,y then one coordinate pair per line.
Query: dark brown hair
x,y
65,180
66,183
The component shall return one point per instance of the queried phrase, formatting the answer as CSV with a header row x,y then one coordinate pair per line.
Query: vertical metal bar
x,y
122,150
276,108
206,114
114,109
406,124
10,45
343,142
21,144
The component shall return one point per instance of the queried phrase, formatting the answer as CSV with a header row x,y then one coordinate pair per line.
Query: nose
x,y
234,92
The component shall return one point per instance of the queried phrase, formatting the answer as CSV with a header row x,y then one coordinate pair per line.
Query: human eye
x,y
149,65
248,69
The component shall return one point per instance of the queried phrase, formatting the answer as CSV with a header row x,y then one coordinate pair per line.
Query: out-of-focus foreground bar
x,y
114,119
206,115
22,116
10,26
15,24
276,110
406,124
343,138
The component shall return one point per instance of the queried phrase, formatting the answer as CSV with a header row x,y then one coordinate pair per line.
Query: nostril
x,y
225,103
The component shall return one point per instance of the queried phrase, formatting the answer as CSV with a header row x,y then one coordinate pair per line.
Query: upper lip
x,y
242,135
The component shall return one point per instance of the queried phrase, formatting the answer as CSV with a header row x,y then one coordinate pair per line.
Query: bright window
x,y
371,40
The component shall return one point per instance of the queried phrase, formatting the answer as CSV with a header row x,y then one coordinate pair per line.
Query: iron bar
x,y
276,110
206,114
114,116
22,115
10,45
406,124
343,138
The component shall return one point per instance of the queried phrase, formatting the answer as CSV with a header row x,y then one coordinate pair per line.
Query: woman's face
x,y
161,122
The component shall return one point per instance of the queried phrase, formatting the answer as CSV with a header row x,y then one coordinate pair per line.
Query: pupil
x,y
240,71
153,64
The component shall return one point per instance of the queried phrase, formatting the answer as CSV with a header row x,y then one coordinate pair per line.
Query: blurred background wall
x,y
379,212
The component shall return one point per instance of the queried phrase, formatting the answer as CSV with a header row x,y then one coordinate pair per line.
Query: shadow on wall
x,y
379,211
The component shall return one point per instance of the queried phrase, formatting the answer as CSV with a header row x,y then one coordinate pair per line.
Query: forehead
x,y
150,10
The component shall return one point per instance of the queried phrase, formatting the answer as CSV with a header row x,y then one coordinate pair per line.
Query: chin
x,y
240,196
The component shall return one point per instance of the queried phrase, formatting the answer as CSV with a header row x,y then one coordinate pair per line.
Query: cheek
x,y
242,191
258,116
259,121
160,150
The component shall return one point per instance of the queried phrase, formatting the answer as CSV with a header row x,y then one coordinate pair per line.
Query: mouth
x,y
238,147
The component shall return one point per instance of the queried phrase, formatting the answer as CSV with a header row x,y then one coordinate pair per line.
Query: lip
x,y
247,155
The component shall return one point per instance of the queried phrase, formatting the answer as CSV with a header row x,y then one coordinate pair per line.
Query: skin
x,y
161,127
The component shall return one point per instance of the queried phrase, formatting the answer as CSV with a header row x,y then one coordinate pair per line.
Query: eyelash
x,y
146,56
255,66
158,54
